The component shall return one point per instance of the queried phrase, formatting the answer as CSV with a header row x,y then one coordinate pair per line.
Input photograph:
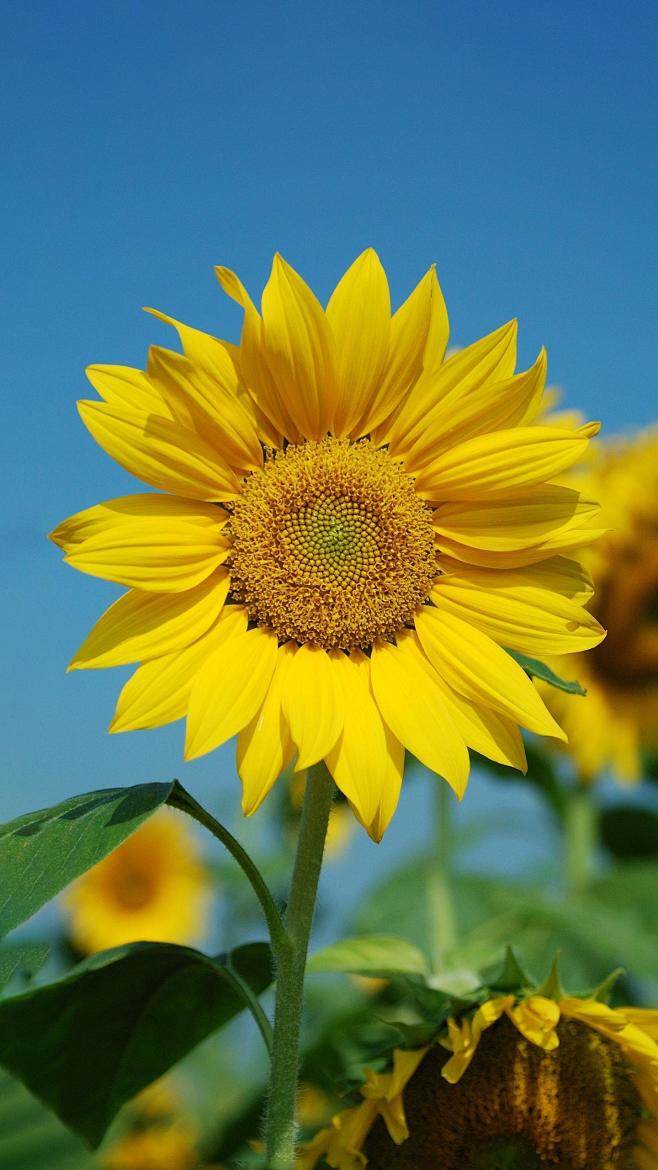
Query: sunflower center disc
x,y
332,545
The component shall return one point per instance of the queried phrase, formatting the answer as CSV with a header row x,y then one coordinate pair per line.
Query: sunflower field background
x,y
145,144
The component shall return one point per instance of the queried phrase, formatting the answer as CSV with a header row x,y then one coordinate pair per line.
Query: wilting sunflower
x,y
519,1084
619,714
355,532
153,888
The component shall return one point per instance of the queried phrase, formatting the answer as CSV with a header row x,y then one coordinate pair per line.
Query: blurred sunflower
x,y
619,714
521,1084
153,888
158,1135
355,532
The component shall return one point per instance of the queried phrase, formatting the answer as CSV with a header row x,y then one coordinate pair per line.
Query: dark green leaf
x,y
370,954
31,1138
91,1041
41,852
509,977
24,957
630,832
537,669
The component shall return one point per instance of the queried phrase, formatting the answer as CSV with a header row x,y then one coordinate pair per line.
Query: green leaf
x,y
31,1138
370,954
89,1042
537,669
630,832
41,852
24,957
510,976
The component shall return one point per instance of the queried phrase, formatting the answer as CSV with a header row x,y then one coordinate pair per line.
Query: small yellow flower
x,y
355,529
530,1083
619,714
153,888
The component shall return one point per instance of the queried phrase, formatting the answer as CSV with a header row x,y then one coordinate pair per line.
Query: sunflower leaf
x,y
537,669
41,852
30,1136
24,958
378,955
89,1042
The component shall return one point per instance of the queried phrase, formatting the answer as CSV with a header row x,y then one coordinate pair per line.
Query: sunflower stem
x,y
184,802
290,956
580,840
442,918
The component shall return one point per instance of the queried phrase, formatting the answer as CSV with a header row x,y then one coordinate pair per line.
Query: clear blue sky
x,y
144,142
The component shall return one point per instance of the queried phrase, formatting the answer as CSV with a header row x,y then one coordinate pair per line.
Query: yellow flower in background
x,y
153,888
522,1083
353,530
619,714
159,1136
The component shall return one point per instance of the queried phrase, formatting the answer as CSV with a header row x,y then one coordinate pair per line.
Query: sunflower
x,y
354,532
619,714
153,888
158,1135
521,1083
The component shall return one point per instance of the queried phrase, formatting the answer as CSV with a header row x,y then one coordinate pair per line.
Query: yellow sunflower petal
x,y
160,451
159,543
466,412
359,313
264,745
208,353
228,690
491,359
486,732
567,540
253,364
312,704
128,389
537,1018
366,762
141,625
208,406
518,616
502,460
508,521
298,348
159,691
411,700
481,671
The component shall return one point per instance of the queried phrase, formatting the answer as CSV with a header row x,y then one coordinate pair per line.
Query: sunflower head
x,y
349,533
153,888
522,1080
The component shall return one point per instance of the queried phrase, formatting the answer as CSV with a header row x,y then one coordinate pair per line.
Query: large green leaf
x,y
41,852
370,954
89,1042
31,1138
24,958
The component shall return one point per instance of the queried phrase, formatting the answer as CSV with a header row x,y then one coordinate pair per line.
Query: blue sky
x,y
514,145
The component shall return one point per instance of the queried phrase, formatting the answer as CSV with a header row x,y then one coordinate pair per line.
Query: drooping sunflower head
x,y
619,715
349,534
153,888
519,1082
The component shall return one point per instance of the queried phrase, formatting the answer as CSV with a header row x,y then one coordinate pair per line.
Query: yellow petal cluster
x,y
349,531
618,717
633,1032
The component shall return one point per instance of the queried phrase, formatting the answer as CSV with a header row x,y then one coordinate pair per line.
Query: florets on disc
x,y
519,1107
332,545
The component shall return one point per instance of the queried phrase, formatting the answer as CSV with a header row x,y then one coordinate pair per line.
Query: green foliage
x,y
31,1138
537,669
630,832
41,852
379,955
89,1042
21,958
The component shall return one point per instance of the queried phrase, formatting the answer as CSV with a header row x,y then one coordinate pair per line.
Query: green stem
x,y
442,919
580,840
182,800
290,955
